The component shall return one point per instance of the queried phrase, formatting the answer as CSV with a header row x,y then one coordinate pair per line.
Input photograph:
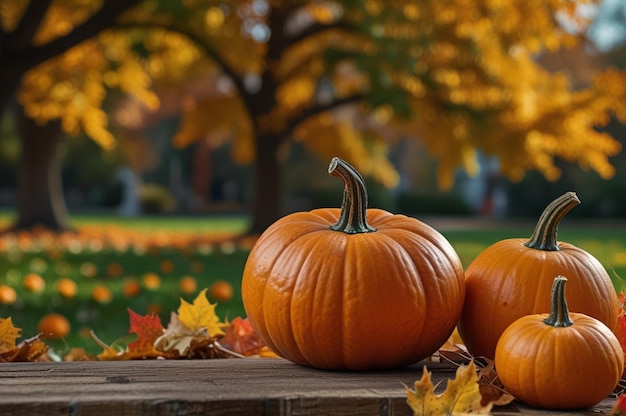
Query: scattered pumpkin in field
x,y
509,280
66,287
34,283
166,266
114,270
221,291
151,281
131,288
8,295
101,294
328,289
187,285
54,326
559,360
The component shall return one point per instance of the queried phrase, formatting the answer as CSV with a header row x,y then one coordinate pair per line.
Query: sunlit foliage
x,y
459,75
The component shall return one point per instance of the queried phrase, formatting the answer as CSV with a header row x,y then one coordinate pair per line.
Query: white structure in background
x,y
130,205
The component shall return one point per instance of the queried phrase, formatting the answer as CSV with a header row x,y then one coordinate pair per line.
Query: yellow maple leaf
x,y
462,395
201,314
8,335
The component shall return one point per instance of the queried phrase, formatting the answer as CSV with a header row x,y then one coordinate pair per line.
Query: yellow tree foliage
x,y
458,75
466,70
479,86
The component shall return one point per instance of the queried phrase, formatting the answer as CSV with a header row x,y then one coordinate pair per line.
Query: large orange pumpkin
x,y
354,288
510,279
559,360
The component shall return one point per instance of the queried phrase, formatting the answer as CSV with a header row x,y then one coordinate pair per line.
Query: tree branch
x,y
236,78
315,29
28,57
320,108
28,25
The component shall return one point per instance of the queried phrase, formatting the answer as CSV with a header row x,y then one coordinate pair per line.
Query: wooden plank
x,y
215,387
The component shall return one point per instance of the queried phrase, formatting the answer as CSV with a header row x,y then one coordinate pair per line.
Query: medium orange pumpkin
x,y
354,288
54,326
221,291
559,360
509,280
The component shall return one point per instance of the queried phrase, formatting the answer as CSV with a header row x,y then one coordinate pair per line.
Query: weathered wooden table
x,y
214,387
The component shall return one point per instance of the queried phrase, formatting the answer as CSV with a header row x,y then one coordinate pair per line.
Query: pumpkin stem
x,y
353,217
544,236
559,314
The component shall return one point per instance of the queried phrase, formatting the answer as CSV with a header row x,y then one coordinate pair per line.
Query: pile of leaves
x,y
194,331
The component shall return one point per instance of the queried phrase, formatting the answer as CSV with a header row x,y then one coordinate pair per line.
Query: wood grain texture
x,y
214,387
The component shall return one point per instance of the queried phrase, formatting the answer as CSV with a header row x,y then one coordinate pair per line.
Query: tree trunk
x,y
40,195
267,185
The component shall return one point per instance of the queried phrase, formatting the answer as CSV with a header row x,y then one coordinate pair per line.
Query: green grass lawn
x,y
173,248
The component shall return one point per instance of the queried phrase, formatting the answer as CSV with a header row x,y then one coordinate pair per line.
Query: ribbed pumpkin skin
x,y
509,280
573,367
333,300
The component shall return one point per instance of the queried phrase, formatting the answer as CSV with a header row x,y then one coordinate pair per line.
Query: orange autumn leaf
x,y
8,335
462,395
147,328
491,389
201,314
30,350
241,338
139,352
619,408
78,354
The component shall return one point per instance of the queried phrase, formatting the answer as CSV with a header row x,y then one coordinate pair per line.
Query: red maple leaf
x,y
147,328
241,338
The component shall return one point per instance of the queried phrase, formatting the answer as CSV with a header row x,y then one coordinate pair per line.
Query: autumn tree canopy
x,y
344,78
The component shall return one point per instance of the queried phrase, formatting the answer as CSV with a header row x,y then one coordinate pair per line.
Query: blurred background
x,y
227,113
199,107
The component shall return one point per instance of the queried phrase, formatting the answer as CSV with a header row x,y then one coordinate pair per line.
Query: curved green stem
x,y
559,314
353,217
544,236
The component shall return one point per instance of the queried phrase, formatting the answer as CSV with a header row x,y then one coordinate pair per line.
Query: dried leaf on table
x,y
178,337
461,396
147,328
8,335
241,338
30,350
200,315
490,386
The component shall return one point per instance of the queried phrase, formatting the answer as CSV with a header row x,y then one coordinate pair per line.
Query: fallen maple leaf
x,y
8,335
29,350
241,338
140,352
461,396
148,329
200,315
178,337
491,389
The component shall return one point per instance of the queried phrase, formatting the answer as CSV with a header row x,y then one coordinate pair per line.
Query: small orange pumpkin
x,y
559,360
34,283
508,280
8,295
54,326
221,291
354,288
